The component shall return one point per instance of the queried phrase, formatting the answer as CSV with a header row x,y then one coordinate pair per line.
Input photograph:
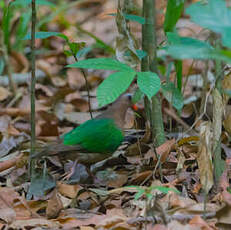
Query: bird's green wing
x,y
96,135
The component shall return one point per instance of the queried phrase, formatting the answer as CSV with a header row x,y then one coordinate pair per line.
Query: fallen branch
x,y
21,78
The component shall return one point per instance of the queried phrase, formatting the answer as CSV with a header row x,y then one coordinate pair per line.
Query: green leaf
x,y
173,95
137,96
83,52
27,2
149,83
141,54
76,46
214,16
140,193
196,49
173,13
101,63
22,30
165,189
135,18
2,64
113,86
41,35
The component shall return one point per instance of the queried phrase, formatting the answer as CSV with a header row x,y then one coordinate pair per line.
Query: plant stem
x,y
3,50
33,77
87,86
149,63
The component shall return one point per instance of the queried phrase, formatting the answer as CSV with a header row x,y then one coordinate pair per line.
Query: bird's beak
x,y
135,107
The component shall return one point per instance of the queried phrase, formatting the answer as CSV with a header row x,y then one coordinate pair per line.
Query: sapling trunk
x,y
149,63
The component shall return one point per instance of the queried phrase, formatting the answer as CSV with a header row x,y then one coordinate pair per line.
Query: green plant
x,y
148,191
214,16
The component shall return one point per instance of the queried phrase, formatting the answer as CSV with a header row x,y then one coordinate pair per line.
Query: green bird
x,y
101,135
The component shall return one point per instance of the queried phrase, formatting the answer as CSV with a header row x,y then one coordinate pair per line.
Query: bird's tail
x,y
55,149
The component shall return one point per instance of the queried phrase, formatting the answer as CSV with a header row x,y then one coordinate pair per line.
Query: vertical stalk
x,y
149,63
33,77
217,120
87,86
4,54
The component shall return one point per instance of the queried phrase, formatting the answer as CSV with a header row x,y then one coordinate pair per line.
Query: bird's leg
x,y
67,175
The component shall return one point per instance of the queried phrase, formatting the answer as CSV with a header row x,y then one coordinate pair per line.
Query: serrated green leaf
x,y
41,35
214,16
173,95
173,13
101,63
113,86
149,83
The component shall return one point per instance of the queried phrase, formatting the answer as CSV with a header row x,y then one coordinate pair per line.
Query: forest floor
x,y
139,186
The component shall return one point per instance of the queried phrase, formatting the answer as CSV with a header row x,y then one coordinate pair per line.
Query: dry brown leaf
x,y
113,217
27,209
22,60
197,221
86,228
140,177
204,158
224,184
75,78
68,190
224,216
226,85
157,227
163,150
227,123
4,93
80,220
54,205
58,81
175,225
129,119
42,222
120,180
7,198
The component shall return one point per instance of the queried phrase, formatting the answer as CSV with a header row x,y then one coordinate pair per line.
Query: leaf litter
x,y
124,191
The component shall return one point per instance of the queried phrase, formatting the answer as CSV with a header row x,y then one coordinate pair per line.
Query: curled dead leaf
x,y
4,93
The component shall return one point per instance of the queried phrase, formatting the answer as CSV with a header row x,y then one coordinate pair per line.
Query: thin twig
x,y
33,82
87,86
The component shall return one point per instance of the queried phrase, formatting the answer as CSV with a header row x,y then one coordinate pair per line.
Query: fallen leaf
x,y
54,205
68,190
4,93
204,158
